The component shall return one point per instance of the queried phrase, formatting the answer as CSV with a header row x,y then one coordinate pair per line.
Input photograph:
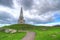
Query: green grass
x,y
47,35
16,36
40,34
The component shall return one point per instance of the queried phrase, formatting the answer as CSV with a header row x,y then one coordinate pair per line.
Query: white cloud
x,y
1,25
40,11
49,24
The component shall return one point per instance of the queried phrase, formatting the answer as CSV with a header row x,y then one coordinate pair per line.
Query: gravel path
x,y
29,36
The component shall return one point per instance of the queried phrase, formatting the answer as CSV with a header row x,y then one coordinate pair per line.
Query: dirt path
x,y
29,36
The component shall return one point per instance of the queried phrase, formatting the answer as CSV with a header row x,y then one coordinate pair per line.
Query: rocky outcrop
x,y
10,31
7,30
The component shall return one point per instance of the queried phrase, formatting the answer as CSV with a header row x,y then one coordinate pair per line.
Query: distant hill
x,y
56,26
28,27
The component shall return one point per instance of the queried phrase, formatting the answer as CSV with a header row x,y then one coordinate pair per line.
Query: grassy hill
x,y
42,32
30,27
20,26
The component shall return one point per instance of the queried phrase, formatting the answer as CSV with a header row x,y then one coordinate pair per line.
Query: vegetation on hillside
x,y
29,27
15,36
42,32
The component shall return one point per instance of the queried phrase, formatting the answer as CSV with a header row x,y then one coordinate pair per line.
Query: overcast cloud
x,y
35,11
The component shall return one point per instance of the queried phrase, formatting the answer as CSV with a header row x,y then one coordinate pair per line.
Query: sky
x,y
39,12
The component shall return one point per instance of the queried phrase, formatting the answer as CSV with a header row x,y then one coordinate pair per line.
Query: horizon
x,y
1,25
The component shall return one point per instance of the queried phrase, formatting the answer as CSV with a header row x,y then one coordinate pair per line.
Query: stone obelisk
x,y
21,17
